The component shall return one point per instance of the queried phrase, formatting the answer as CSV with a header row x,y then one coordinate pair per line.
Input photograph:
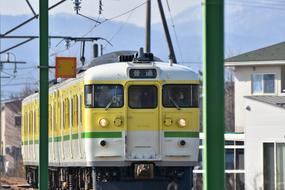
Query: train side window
x,y
142,96
34,122
71,109
75,111
30,124
53,115
80,110
66,113
180,95
49,118
37,121
62,115
89,95
26,123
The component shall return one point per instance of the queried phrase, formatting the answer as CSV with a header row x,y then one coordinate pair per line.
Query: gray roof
x,y
274,52
112,58
278,101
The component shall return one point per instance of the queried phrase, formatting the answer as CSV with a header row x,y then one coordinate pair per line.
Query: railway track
x,y
14,184
15,187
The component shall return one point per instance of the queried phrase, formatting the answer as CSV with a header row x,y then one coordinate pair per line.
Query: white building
x,y
260,113
11,137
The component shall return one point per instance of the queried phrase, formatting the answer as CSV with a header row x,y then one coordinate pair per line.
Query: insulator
x,y
67,44
15,68
100,7
77,6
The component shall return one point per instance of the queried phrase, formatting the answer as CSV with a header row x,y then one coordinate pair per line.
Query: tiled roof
x,y
278,101
274,52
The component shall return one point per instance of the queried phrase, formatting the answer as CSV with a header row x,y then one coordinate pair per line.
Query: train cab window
x,y
104,96
88,95
180,96
142,97
108,96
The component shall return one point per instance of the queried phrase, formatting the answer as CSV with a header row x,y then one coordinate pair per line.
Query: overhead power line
x,y
103,22
30,19
255,5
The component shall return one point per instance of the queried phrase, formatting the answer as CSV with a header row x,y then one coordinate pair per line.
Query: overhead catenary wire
x,y
120,28
115,17
280,7
102,22
20,84
32,18
264,2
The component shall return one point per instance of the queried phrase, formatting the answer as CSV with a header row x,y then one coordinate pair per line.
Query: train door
x,y
143,129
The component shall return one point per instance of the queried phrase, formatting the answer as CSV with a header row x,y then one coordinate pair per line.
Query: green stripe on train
x,y
175,134
86,135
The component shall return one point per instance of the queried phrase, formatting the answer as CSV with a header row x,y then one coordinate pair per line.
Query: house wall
x,y
264,123
11,137
3,130
12,132
243,88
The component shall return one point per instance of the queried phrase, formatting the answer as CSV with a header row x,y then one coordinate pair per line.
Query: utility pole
x,y
44,67
148,27
166,32
213,93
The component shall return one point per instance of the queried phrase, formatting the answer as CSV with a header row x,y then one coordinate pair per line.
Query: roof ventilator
x,y
138,57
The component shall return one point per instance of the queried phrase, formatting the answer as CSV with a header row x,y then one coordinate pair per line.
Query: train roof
x,y
108,68
120,71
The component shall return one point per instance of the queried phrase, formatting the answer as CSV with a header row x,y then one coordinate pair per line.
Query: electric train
x,y
125,122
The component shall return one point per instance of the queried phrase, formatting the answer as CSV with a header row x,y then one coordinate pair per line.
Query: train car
x,y
125,122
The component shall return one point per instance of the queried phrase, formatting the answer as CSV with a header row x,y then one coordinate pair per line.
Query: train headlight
x,y
182,122
118,122
168,122
103,122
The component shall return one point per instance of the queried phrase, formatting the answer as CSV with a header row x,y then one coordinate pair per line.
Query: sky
x,y
249,25
90,8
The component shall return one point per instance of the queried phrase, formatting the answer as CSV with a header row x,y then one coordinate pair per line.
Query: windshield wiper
x,y
175,104
110,103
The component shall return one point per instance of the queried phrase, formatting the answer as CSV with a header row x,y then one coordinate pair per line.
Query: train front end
x,y
141,125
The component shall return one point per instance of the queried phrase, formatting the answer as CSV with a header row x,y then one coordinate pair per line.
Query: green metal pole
x,y
43,146
213,89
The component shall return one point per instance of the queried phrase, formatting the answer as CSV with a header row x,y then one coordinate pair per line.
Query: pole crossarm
x,y
17,45
13,62
30,38
213,93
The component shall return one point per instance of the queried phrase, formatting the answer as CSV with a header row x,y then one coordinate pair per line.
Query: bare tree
x,y
27,90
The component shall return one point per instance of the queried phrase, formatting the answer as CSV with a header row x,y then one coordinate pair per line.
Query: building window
x,y
17,121
273,166
234,166
263,83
